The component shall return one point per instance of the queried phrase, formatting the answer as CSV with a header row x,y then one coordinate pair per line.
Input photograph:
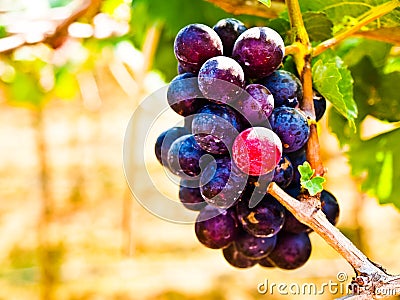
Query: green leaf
x,y
266,2
333,80
318,26
305,171
314,185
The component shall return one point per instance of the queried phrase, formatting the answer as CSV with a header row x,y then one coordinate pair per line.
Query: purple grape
x,y
264,220
221,79
257,105
229,30
319,105
184,96
184,156
255,247
194,44
291,126
215,128
291,250
215,228
297,158
221,183
293,225
187,122
330,206
190,196
164,142
259,50
236,258
283,173
285,87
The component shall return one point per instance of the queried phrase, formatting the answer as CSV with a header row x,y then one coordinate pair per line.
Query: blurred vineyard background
x,y
71,74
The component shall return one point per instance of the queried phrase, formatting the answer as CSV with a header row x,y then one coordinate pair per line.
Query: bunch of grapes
x,y
243,129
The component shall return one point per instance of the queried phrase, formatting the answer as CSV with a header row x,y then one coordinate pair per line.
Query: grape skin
x,y
215,228
164,142
229,30
283,173
291,126
259,50
255,247
236,259
285,87
194,44
190,195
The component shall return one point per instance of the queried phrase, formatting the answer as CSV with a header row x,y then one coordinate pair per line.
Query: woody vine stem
x,y
370,278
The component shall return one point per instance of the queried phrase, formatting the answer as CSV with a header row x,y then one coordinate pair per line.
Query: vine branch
x,y
365,19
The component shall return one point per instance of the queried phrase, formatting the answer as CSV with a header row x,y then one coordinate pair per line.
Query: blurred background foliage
x,y
71,74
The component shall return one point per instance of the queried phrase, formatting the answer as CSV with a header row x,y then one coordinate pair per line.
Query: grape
x,y
237,259
293,225
285,87
257,105
259,50
255,247
264,220
184,156
330,207
222,183
291,250
297,158
229,30
190,196
256,151
187,122
319,105
194,44
283,173
221,79
215,228
164,142
291,126
215,127
183,94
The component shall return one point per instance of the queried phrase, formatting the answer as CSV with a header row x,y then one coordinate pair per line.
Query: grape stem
x,y
370,278
365,19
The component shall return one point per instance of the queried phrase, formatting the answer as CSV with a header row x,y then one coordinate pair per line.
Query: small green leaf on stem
x,y
314,185
266,2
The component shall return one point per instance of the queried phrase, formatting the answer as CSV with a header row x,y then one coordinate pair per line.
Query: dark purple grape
x,y
319,105
229,30
291,126
215,228
215,128
257,105
190,196
221,183
184,96
264,220
221,79
330,206
259,50
255,247
237,259
266,262
194,44
291,250
293,225
184,156
187,122
297,158
283,173
285,87
164,142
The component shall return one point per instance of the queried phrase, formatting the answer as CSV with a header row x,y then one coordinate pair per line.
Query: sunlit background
x,y
71,75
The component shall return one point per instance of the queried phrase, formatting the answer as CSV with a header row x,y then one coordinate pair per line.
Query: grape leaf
x,y
333,80
314,185
265,2
318,26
